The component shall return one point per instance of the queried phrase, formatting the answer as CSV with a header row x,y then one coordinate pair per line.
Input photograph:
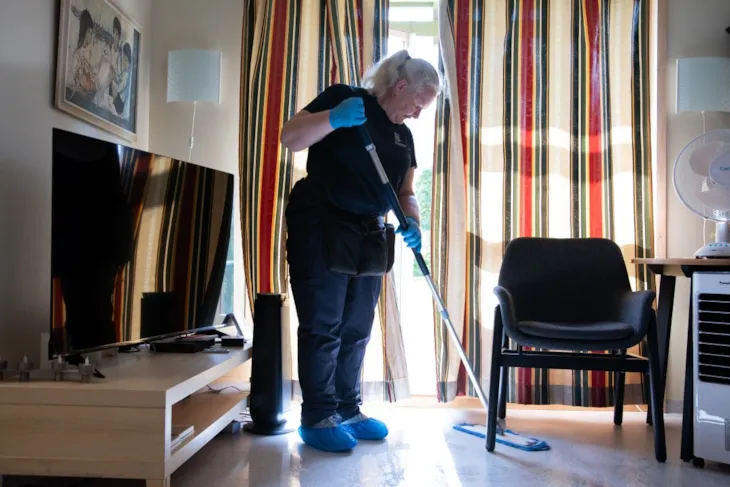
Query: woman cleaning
x,y
338,246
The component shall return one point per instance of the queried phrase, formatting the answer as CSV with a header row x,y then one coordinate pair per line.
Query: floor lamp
x,y
193,75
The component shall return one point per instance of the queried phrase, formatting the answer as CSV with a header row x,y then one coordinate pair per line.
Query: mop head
x,y
506,437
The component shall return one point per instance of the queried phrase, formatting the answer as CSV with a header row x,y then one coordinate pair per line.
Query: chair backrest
x,y
564,280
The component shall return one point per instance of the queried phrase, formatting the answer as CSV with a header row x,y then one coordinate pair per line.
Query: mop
x,y
504,436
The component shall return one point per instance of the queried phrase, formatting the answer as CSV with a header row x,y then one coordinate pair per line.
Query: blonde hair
x,y
419,74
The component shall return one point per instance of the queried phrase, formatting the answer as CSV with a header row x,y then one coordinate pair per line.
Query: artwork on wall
x,y
97,69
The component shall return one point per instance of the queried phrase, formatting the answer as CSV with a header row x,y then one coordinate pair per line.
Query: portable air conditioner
x,y
711,356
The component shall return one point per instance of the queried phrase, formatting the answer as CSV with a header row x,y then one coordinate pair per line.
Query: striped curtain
x,y
269,66
292,50
545,127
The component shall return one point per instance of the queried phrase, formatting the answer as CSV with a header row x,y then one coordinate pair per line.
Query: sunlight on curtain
x,y
546,133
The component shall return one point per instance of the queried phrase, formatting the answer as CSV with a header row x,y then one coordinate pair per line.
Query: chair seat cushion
x,y
583,332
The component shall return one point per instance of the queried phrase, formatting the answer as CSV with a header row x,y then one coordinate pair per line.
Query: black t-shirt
x,y
341,169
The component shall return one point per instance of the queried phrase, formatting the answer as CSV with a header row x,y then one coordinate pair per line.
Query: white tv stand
x,y
120,426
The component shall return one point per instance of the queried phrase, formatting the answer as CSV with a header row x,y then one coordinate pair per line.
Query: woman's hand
x,y
349,113
412,234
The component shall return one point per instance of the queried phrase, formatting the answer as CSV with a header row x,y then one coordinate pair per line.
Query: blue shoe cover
x,y
328,436
363,428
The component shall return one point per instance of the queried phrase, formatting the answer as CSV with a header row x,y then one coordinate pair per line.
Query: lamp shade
x,y
193,75
703,84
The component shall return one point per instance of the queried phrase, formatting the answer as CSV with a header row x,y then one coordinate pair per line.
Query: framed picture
x,y
97,69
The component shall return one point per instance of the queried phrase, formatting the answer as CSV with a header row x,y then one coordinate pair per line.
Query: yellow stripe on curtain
x,y
545,133
292,50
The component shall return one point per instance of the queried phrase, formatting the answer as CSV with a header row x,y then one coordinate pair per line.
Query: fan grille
x,y
692,182
713,359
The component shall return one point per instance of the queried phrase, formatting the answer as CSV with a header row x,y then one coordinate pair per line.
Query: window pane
x,y
226,299
414,297
410,14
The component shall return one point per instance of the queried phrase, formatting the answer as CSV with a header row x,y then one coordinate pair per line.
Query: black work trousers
x,y
335,315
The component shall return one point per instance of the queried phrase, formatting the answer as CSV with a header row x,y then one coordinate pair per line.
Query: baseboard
x,y
674,406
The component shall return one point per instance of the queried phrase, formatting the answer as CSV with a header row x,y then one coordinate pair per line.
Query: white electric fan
x,y
702,182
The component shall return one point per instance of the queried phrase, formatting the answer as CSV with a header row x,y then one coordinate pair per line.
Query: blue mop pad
x,y
509,438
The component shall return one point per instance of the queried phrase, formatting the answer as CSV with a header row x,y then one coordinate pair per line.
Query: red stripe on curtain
x,y
270,166
333,71
527,93
595,69
527,158
462,43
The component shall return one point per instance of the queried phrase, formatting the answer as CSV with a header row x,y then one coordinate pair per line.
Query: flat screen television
x,y
139,244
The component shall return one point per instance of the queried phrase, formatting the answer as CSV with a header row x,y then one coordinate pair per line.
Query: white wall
x,y
181,24
194,24
695,28
28,33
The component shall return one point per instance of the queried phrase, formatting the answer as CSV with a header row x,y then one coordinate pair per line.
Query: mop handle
x,y
401,216
390,192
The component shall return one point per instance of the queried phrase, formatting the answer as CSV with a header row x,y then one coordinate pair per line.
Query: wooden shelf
x,y
120,426
684,261
677,267
208,413
142,379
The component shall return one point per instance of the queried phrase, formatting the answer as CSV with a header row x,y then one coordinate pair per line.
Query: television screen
x,y
139,244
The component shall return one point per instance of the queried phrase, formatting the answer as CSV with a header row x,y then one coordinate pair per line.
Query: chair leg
x,y
494,387
648,406
502,413
655,384
492,409
648,410
619,382
618,409
503,384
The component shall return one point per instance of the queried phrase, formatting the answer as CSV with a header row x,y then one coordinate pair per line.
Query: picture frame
x,y
97,68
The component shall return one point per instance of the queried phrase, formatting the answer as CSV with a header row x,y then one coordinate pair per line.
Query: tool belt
x,y
357,246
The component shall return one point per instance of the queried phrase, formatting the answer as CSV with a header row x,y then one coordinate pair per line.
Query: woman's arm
x,y
327,114
305,129
407,197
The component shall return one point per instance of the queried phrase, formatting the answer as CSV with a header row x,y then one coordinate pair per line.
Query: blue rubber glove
x,y
349,113
412,234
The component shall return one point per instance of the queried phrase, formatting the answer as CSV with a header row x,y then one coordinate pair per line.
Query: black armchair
x,y
571,296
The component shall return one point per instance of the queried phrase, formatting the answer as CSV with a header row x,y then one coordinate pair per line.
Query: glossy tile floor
x,y
423,450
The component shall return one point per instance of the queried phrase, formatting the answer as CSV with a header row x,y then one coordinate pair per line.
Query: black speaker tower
x,y
268,388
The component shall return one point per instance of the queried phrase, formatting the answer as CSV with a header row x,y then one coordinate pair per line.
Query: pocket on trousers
x,y
343,244
303,246
359,247
378,252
